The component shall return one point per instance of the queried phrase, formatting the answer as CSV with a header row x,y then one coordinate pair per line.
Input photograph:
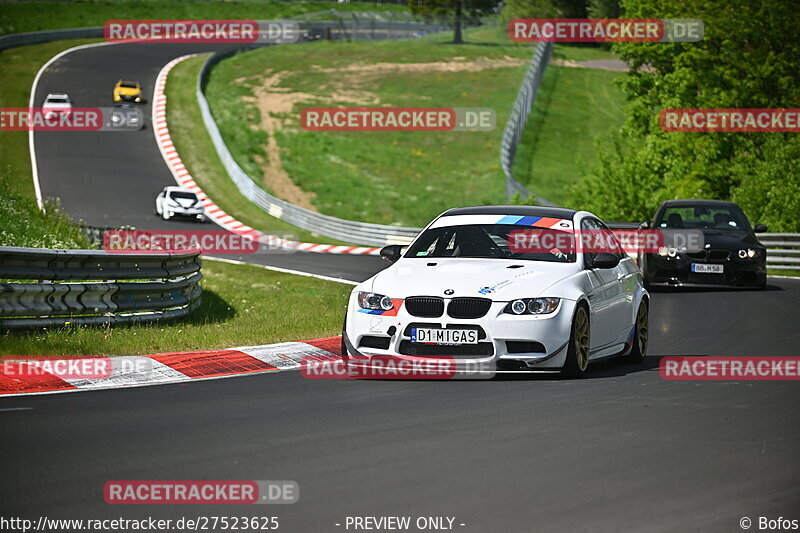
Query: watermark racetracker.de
x,y
733,120
605,30
713,368
78,119
200,492
218,242
202,31
397,119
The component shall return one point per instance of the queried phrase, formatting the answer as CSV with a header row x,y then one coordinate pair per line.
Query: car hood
x,y
730,240
498,279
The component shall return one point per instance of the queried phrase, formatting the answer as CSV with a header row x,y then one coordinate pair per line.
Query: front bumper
x,y
193,212
510,342
135,98
676,272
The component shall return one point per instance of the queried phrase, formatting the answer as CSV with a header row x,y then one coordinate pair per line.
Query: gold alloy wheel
x,y
641,329
582,339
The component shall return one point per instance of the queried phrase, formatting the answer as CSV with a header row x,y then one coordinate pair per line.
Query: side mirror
x,y
760,228
605,260
392,252
644,225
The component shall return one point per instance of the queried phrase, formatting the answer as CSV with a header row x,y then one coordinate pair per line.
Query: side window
x,y
590,226
616,247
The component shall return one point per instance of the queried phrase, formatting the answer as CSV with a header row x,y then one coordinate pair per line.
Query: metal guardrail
x,y
783,250
519,117
36,37
83,287
346,230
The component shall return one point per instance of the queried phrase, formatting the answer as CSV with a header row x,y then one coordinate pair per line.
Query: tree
x,y
747,59
459,9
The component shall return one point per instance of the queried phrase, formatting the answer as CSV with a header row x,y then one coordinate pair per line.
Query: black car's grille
x,y
425,306
468,307
714,254
718,254
482,349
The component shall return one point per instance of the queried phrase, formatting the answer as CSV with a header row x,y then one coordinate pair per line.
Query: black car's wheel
x,y
640,334
577,362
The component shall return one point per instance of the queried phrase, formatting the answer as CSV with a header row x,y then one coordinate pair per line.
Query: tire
x,y
641,334
577,363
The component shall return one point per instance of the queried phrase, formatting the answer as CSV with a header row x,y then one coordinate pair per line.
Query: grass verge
x,y
197,152
23,224
407,178
242,305
402,178
16,17
575,108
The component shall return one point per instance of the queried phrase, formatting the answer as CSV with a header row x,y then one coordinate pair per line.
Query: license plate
x,y
707,269
444,336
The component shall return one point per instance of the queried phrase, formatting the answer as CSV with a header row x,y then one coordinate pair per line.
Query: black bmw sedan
x,y
730,255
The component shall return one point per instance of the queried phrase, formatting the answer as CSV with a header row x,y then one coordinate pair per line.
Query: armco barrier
x,y
89,287
783,250
36,37
519,117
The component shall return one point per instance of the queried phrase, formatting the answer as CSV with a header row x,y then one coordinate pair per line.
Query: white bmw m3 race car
x,y
466,289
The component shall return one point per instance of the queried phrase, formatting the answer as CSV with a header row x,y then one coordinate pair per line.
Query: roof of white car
x,y
175,188
57,95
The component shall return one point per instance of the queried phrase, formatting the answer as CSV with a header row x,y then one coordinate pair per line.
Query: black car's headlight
x,y
532,306
377,302
748,253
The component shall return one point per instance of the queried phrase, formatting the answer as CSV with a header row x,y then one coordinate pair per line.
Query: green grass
x,y
23,224
19,67
16,17
389,178
574,107
197,152
242,305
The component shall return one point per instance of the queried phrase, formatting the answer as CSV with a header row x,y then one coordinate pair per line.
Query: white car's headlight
x,y
532,306
371,300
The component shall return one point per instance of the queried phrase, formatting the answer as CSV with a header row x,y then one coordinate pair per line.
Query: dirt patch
x,y
349,86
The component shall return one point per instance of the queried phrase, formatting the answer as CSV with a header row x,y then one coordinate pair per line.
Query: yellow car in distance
x,y
127,91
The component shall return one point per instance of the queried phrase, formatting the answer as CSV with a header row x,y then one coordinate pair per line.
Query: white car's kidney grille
x,y
468,307
425,306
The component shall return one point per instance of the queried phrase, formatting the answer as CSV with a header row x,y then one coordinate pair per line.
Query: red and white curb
x,y
177,367
213,211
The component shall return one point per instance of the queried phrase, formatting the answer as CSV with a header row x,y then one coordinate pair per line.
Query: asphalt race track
x,y
622,450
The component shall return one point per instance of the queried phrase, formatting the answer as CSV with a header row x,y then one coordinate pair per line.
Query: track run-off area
x,y
621,450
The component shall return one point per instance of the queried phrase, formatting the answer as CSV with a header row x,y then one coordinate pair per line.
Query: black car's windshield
x,y
726,218
494,241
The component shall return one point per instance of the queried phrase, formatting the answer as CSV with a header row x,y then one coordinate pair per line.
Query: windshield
x,y
729,218
491,241
56,100
180,195
128,85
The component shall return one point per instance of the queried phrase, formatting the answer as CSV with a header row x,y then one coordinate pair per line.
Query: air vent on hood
x,y
515,266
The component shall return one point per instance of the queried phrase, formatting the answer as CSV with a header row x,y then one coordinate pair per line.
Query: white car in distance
x,y
175,201
56,104
462,289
